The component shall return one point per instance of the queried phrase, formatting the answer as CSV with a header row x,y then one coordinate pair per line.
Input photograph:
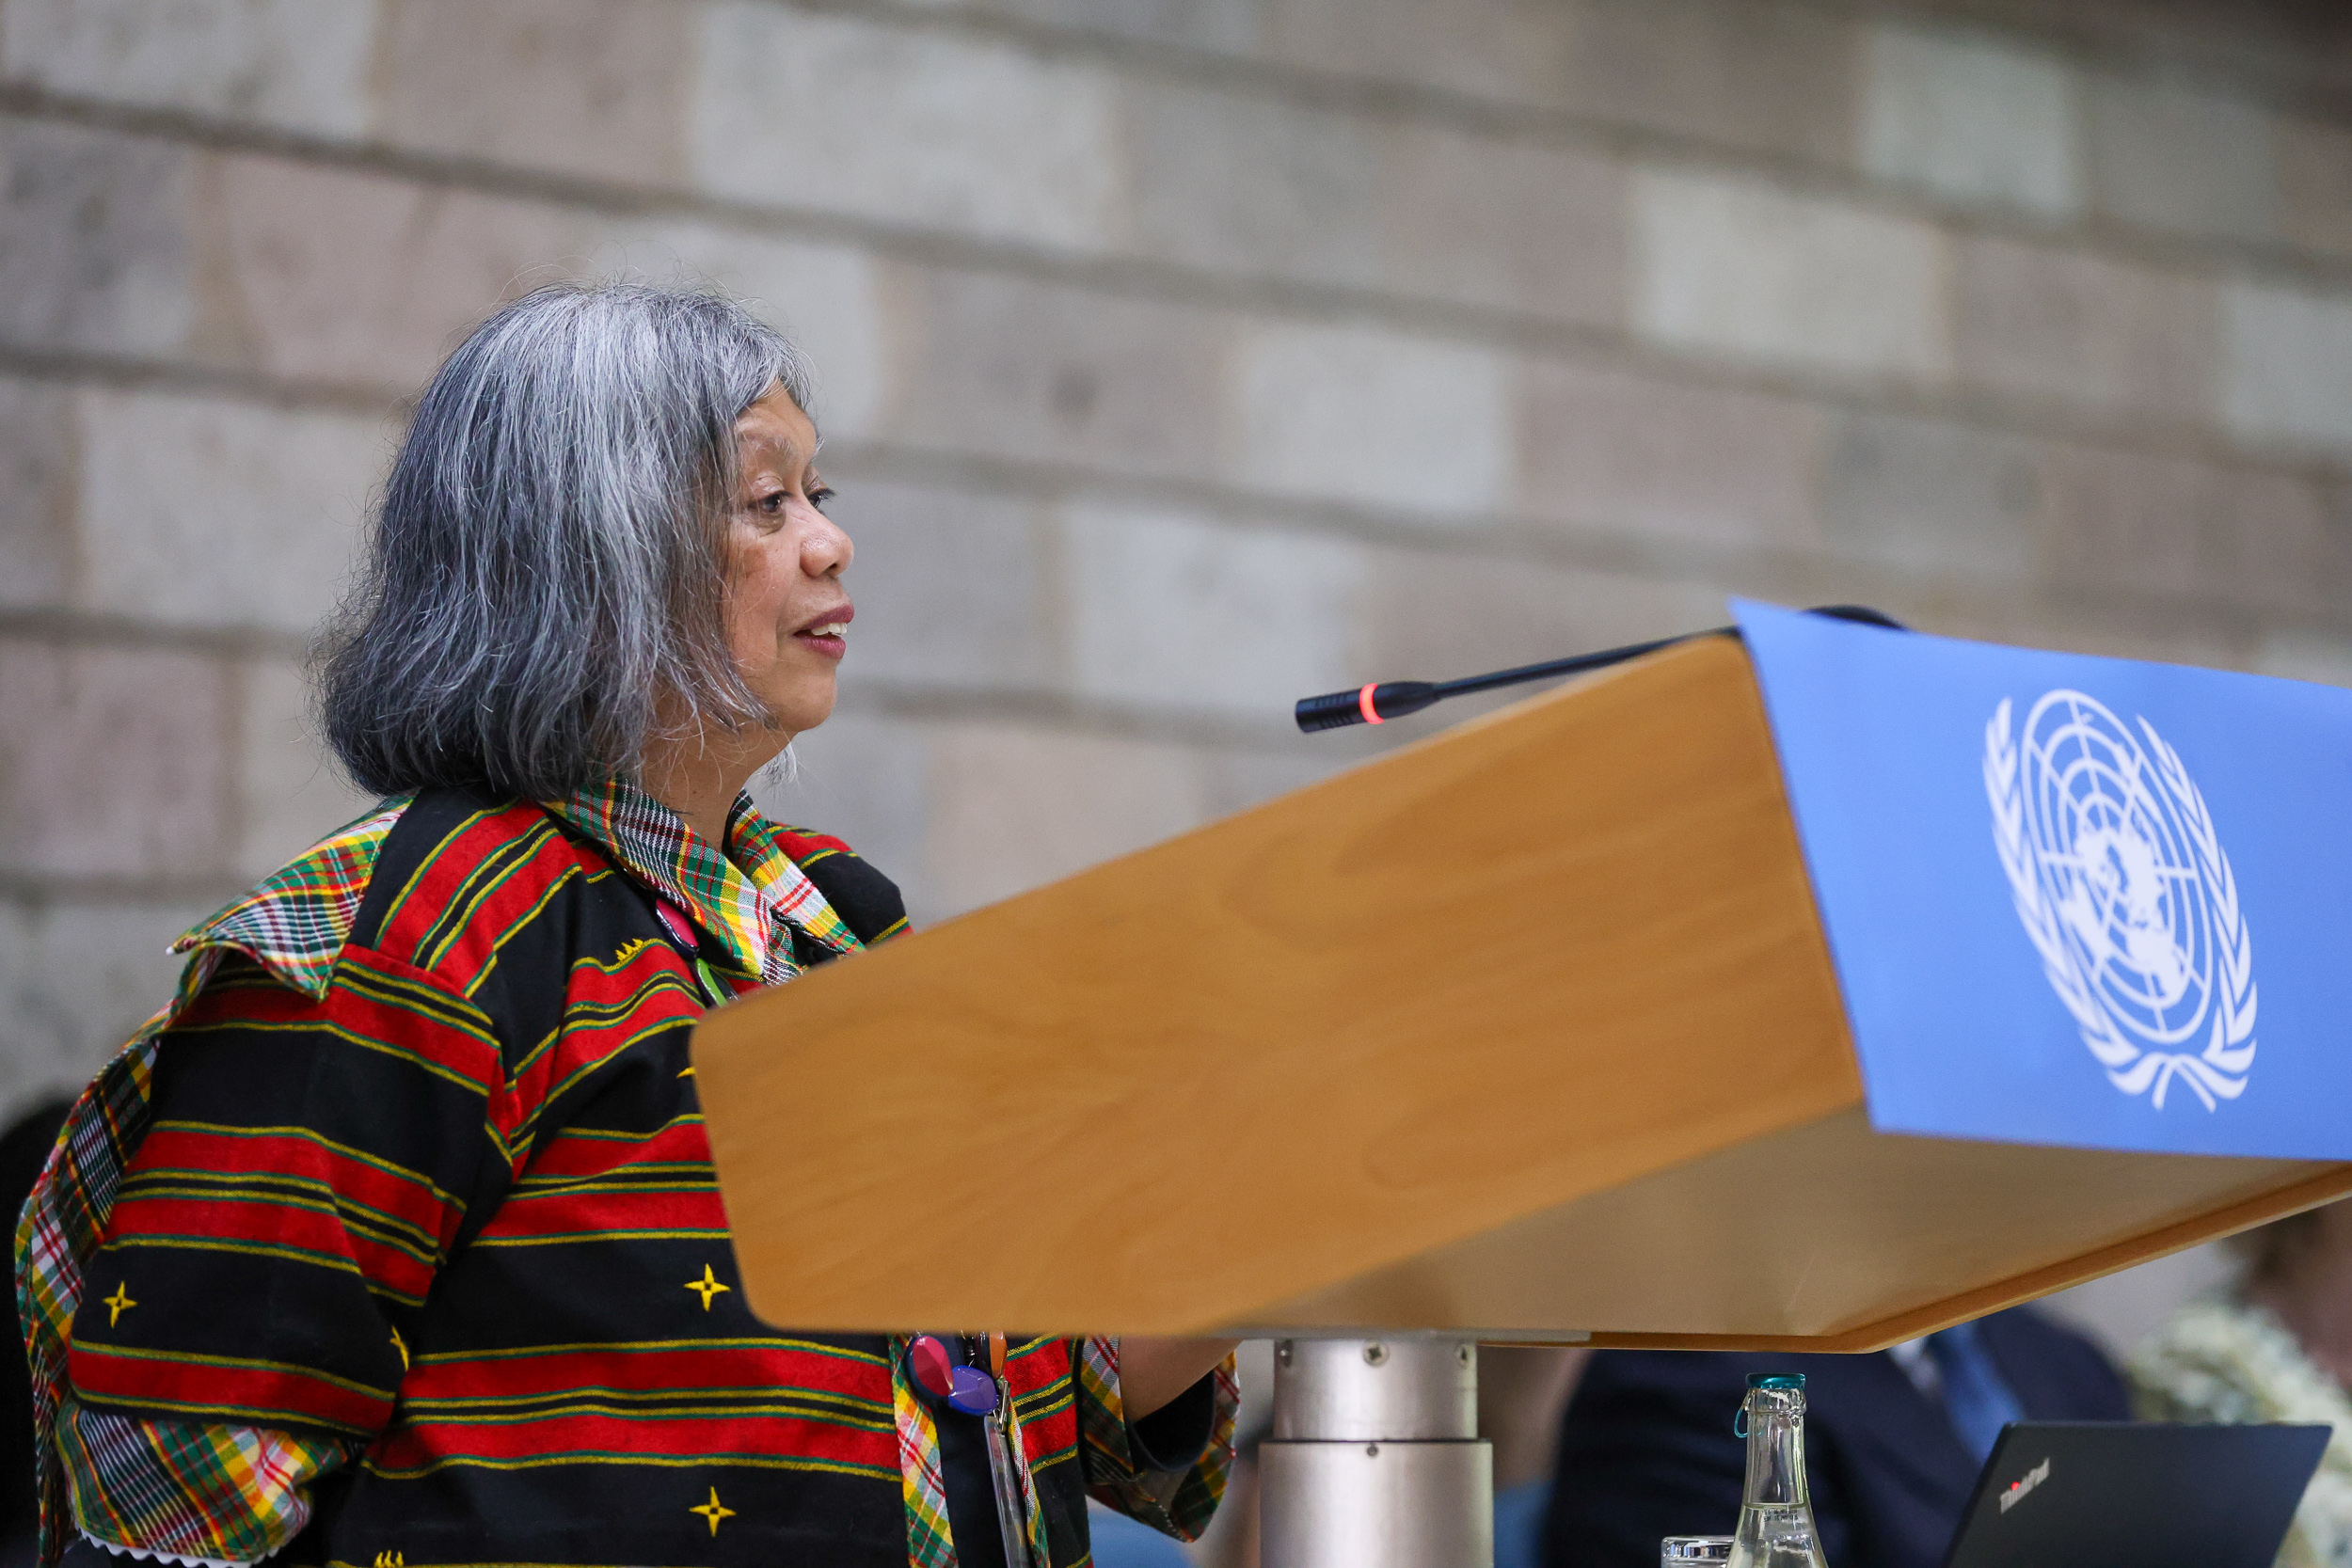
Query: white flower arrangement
x,y
2223,1359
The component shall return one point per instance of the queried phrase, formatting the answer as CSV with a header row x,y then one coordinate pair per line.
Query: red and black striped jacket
x,y
451,1213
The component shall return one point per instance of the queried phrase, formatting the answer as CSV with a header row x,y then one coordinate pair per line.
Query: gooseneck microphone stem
x,y
1569,666
1377,702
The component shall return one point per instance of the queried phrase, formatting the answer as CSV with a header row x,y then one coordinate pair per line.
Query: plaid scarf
x,y
749,898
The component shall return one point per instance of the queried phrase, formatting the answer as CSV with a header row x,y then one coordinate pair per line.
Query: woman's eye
x,y
819,497
773,502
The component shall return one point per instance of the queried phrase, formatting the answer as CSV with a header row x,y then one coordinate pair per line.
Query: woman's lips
x,y
826,635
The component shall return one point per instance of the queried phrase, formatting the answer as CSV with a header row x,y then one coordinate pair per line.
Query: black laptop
x,y
2136,1495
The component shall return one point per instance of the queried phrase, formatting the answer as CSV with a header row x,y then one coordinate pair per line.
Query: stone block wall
x,y
1178,357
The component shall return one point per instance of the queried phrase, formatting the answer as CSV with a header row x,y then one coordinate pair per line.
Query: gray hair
x,y
544,577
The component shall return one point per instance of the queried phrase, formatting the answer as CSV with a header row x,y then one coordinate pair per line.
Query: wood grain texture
x,y
1528,959
1527,1028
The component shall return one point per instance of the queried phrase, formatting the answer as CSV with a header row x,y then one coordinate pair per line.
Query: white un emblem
x,y
2123,886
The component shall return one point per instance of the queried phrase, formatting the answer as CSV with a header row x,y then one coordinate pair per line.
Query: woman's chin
x,y
804,707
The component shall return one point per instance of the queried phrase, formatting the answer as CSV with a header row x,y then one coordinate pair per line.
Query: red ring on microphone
x,y
1363,701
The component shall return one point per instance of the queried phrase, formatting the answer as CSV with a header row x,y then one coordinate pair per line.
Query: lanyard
x,y
1005,1466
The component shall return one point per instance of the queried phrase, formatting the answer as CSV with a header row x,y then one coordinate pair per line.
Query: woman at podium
x,y
393,1238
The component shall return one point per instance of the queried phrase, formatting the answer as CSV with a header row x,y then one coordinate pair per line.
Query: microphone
x,y
1377,702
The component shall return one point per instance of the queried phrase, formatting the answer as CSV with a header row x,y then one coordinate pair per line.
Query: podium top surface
x,y
1527,1030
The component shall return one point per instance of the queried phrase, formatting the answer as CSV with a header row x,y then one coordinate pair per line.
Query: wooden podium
x,y
1524,1032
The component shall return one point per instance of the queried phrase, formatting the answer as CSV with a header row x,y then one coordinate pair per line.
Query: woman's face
x,y
786,613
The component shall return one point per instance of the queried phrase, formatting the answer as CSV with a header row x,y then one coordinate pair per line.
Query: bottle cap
x,y
1775,1380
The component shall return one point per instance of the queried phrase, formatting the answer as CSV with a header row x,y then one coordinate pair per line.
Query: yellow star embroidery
x,y
714,1510
400,1345
118,1304
707,1287
688,1072
391,1560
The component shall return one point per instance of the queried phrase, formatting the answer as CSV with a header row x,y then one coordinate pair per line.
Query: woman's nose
x,y
826,551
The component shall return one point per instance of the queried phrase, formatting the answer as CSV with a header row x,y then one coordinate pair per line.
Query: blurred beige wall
x,y
1178,357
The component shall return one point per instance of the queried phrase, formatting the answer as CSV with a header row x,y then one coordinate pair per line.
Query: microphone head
x,y
1373,704
1333,710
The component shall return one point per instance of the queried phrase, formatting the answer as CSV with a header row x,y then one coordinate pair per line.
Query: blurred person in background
x,y
1893,1440
396,1236
2275,1346
1522,1391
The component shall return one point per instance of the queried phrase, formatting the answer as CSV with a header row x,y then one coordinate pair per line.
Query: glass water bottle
x,y
1776,1510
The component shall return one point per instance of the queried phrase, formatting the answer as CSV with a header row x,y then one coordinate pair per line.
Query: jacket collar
x,y
744,899
296,922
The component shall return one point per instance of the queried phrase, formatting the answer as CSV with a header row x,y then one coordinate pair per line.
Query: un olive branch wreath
x,y
2218,1072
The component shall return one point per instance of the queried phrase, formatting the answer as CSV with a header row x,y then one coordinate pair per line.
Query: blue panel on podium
x,y
2074,900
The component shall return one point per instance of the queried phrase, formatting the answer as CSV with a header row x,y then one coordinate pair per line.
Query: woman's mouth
x,y
828,637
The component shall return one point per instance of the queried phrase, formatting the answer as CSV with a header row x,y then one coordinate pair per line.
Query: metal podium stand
x,y
1376,1459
